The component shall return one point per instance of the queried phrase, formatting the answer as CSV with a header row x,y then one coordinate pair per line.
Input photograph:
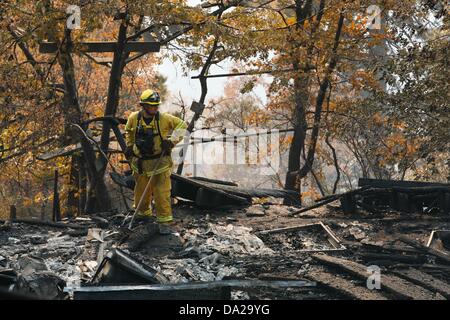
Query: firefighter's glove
x,y
129,152
167,146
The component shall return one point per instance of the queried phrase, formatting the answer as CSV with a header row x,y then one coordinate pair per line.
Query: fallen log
x,y
315,206
327,200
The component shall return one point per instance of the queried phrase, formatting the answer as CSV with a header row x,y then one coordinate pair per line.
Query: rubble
x,y
304,238
214,193
439,240
226,240
232,245
393,284
119,268
41,284
255,211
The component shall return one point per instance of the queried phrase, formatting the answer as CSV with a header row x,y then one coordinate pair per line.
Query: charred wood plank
x,y
389,248
181,291
390,283
203,192
379,183
370,256
334,241
249,193
422,190
226,183
425,280
327,200
315,206
341,285
441,255
119,268
149,292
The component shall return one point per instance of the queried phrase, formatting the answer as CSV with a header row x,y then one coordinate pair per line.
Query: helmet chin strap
x,y
148,115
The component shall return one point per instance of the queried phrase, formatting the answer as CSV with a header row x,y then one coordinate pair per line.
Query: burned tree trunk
x,y
72,115
74,186
82,183
300,127
301,83
295,173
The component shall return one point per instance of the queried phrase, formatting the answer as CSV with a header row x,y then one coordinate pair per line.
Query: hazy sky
x,y
190,88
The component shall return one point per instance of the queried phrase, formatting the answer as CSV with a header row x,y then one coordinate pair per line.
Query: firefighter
x,y
150,135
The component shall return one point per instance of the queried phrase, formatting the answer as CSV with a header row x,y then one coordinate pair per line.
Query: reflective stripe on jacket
x,y
172,128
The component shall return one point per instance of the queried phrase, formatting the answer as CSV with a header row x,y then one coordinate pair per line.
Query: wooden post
x,y
446,203
43,211
56,207
83,186
12,213
72,199
348,204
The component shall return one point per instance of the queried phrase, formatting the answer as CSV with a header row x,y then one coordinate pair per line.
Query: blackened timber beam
x,y
389,283
181,291
380,183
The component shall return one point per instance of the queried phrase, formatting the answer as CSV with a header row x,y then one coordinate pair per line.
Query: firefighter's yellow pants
x,y
160,190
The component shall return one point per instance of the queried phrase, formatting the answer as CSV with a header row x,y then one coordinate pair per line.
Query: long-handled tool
x,y
145,190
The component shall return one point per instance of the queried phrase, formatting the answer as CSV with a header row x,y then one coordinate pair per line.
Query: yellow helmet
x,y
150,97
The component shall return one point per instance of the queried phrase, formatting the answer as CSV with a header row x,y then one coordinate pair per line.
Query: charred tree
x,y
97,192
301,82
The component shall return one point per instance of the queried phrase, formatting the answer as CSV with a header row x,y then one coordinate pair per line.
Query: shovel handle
x,y
145,190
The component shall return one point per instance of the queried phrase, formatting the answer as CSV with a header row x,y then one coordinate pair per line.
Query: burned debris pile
x,y
263,250
380,196
211,193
